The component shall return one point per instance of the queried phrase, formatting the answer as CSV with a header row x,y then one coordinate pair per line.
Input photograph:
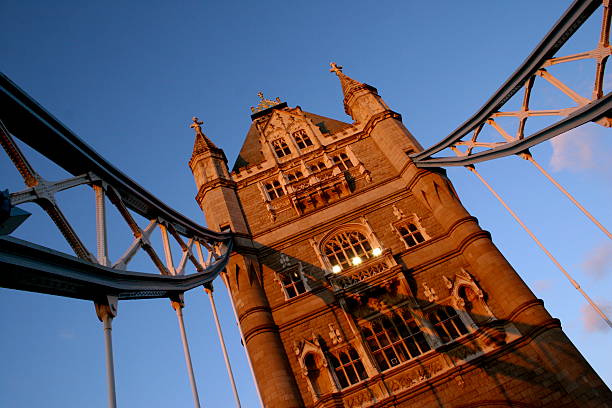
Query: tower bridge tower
x,y
361,280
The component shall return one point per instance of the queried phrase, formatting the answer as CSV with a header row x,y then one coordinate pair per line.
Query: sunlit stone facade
x,y
361,280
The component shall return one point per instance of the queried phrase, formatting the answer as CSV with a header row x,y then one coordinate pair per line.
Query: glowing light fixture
x,y
336,269
356,260
376,251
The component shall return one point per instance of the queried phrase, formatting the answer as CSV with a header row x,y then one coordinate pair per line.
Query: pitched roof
x,y
251,151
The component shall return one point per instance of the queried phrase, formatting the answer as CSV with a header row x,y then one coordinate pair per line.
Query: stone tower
x,y
360,280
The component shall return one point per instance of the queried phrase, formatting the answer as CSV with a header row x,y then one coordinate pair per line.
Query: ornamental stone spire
x,y
202,143
354,93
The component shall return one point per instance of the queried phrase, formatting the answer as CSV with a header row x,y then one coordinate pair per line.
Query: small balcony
x,y
361,275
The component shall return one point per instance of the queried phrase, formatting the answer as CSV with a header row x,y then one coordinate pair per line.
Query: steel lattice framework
x,y
464,141
30,267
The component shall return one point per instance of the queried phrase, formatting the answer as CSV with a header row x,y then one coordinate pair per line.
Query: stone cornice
x,y
206,187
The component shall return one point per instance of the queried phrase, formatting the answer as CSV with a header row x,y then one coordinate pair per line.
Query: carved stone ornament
x,y
285,261
430,293
334,334
264,103
399,214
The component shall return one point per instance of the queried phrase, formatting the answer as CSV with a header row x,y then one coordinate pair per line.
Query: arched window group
x,y
394,339
346,249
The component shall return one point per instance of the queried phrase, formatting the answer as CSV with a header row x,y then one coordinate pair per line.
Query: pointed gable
x,y
251,152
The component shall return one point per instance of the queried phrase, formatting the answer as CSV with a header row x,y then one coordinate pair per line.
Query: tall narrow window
x,y
447,323
280,148
348,367
274,189
343,161
411,234
302,139
292,282
395,339
346,249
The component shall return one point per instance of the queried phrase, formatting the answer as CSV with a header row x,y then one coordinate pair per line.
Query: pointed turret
x,y
361,101
207,162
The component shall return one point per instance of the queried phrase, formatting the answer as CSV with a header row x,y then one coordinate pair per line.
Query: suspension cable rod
x,y
537,241
178,305
209,290
106,312
529,157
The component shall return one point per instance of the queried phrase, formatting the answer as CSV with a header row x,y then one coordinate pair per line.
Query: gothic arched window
x,y
343,161
447,323
395,339
302,139
280,148
347,248
348,367
274,189
411,234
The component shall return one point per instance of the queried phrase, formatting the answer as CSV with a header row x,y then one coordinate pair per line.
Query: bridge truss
x,y
83,275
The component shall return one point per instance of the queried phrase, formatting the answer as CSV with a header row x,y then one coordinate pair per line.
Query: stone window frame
x,y
294,176
454,322
400,347
343,369
273,189
297,270
362,227
280,147
302,140
343,161
317,166
403,222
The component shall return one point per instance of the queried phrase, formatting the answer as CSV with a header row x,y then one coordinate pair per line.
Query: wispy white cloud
x,y
598,262
592,320
572,150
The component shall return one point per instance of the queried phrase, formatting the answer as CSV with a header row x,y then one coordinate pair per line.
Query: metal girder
x,y
30,267
47,135
588,113
27,266
541,56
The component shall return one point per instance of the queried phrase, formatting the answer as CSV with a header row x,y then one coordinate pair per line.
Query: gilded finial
x,y
264,103
335,68
196,125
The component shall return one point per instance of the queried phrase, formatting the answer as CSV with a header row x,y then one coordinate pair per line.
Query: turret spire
x,y
202,143
352,90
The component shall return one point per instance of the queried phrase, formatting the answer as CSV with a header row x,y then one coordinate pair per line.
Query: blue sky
x,y
128,77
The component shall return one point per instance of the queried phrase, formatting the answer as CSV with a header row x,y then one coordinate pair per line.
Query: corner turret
x,y
361,101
